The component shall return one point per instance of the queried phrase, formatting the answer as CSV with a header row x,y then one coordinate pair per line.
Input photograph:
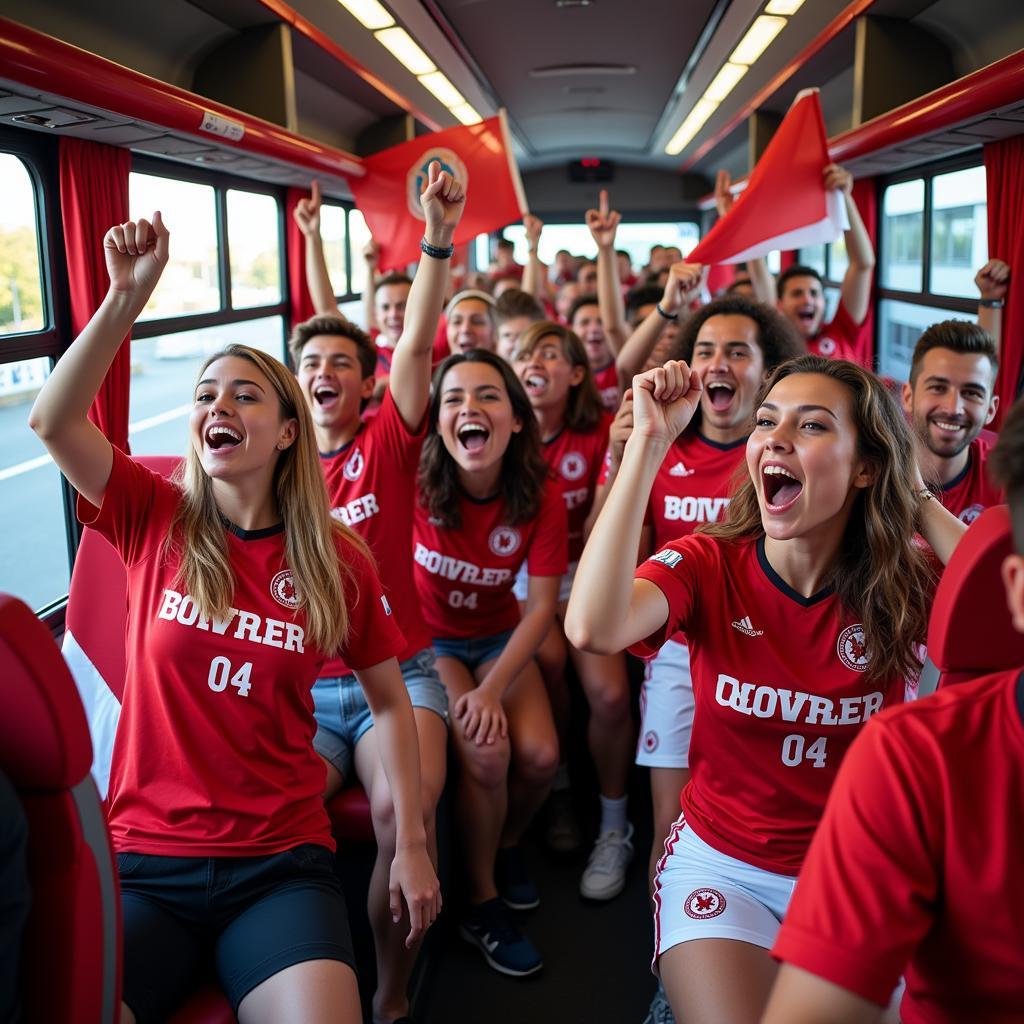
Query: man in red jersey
x,y
915,869
949,400
370,470
801,294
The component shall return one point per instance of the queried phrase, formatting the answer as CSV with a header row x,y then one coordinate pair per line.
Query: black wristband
x,y
667,316
991,303
436,251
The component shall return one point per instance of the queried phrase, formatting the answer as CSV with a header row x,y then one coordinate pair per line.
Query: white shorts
x,y
666,709
700,893
519,588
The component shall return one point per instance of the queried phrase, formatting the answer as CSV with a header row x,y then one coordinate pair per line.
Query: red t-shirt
x,y
576,458
780,692
607,381
385,354
837,339
214,749
916,867
972,492
371,485
465,576
441,350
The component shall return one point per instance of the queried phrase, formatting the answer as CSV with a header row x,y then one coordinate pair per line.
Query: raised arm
x,y
136,254
682,287
443,202
371,256
535,274
609,610
761,278
618,435
603,223
307,217
799,997
855,292
992,280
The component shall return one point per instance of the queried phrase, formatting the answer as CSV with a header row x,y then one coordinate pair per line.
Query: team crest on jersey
x,y
416,179
826,346
703,904
504,540
668,557
650,741
852,648
353,468
282,589
971,513
572,466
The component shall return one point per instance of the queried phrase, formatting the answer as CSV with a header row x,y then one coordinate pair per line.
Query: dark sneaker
x,y
515,886
561,829
504,947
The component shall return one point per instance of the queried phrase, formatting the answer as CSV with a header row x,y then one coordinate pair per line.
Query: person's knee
x,y
609,700
487,764
537,761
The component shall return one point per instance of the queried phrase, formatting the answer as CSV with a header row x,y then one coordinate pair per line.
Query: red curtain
x,y
865,195
93,196
1004,178
295,247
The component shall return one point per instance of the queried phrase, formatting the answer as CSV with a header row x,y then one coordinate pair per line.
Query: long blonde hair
x,y
198,534
880,575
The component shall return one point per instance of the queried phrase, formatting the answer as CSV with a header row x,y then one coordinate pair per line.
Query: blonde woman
x,y
239,585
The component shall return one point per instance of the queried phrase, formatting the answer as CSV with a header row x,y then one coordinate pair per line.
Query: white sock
x,y
561,781
613,814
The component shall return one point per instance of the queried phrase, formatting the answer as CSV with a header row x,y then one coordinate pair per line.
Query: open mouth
x,y
781,488
720,395
467,344
325,395
948,426
473,436
220,437
535,383
806,317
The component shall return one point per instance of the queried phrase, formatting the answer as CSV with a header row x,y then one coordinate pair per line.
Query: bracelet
x,y
667,316
437,251
992,303
925,495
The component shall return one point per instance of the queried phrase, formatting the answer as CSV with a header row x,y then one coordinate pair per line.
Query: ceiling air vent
x,y
563,70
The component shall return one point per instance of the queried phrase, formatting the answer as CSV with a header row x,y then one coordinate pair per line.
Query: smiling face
x,y
803,304
508,335
389,303
950,400
731,363
236,424
475,418
331,378
546,373
802,456
470,326
586,322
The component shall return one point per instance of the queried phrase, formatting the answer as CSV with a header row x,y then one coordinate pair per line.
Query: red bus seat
x,y
72,953
970,633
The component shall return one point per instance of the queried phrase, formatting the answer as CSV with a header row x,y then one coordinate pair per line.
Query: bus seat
x,y
93,648
970,633
72,958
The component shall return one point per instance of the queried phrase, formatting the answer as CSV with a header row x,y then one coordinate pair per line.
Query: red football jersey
x,y
576,458
916,867
371,485
780,692
972,492
465,576
214,749
607,381
838,338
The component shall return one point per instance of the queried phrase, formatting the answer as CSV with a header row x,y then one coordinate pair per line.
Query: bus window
x,y
332,231
959,244
21,292
900,324
190,282
358,236
902,229
254,242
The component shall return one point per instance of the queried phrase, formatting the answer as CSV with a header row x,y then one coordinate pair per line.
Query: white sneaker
x,y
605,874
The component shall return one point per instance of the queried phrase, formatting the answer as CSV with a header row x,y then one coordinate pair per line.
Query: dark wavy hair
x,y
583,409
880,575
523,469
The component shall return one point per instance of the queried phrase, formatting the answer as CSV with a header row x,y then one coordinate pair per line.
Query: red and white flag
x,y
784,205
479,155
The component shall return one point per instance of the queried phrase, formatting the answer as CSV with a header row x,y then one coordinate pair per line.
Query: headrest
x,y
970,629
44,738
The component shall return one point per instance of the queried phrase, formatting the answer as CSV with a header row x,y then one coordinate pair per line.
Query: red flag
x,y
785,205
479,155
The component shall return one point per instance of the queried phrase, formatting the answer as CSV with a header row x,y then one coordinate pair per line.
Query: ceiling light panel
x,y
758,38
405,50
466,114
725,81
443,90
702,110
369,13
787,7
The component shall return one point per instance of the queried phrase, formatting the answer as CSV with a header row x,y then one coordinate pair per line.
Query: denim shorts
x,y
472,651
251,917
343,717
